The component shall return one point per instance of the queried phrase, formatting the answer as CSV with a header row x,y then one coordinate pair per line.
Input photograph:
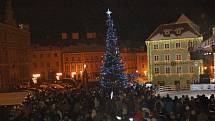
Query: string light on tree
x,y
112,71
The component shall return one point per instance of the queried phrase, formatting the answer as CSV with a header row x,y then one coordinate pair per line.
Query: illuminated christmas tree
x,y
112,72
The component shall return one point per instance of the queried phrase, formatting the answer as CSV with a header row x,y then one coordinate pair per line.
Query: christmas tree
x,y
112,72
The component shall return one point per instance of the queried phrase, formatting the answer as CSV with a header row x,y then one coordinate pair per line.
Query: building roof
x,y
169,31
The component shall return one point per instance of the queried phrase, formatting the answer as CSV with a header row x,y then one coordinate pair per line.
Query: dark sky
x,y
135,19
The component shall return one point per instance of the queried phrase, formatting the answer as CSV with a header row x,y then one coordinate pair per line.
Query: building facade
x,y
91,56
46,61
73,60
169,60
14,45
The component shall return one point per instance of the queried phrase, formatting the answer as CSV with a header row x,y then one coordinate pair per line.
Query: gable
x,y
172,31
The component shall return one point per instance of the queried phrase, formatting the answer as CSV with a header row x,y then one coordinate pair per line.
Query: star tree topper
x,y
108,12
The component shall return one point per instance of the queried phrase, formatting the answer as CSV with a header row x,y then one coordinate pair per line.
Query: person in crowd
x,y
94,104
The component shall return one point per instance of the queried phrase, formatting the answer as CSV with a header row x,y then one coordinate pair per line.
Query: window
x,y
57,63
34,56
142,58
190,44
167,70
166,57
178,69
41,55
155,46
167,32
91,35
67,59
41,64
64,36
48,64
156,70
66,66
35,65
178,57
142,65
178,31
166,46
191,69
156,58
73,67
177,45
75,35
55,55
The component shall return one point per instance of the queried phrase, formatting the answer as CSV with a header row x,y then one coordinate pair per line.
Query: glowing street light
x,y
58,75
35,77
73,74
85,76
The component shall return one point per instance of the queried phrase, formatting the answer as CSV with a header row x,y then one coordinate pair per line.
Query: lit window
x,y
177,45
156,47
166,46
178,57
178,69
75,35
91,35
167,70
66,66
156,58
156,70
64,36
191,69
166,57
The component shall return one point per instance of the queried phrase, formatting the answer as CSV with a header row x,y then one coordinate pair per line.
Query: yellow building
x,y
168,56
14,45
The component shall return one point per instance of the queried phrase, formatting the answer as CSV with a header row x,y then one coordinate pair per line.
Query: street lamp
x,y
58,75
85,76
73,75
35,77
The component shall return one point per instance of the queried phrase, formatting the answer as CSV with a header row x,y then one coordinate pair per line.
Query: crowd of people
x,y
95,104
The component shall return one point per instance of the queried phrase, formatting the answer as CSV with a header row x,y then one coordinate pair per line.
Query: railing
x,y
167,88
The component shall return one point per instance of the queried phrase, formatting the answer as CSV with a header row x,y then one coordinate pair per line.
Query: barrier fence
x,y
173,88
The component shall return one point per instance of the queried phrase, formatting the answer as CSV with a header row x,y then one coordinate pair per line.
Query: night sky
x,y
135,19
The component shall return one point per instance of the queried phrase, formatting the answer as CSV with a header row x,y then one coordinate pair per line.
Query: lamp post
x,y
58,76
35,78
85,76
